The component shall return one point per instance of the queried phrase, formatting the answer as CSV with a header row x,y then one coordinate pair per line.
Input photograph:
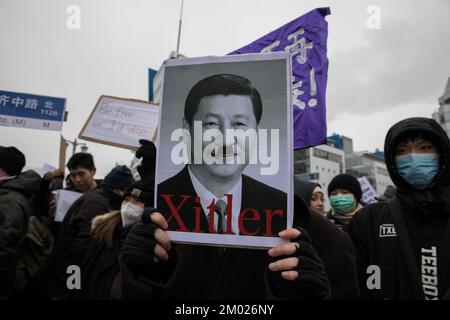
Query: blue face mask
x,y
342,203
418,169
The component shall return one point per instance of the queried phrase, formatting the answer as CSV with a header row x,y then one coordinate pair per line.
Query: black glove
x,y
147,151
312,282
138,250
146,170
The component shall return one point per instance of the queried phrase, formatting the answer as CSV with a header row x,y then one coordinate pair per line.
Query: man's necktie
x,y
221,210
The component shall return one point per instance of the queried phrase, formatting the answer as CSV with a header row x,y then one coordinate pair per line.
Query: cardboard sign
x,y
121,122
224,163
31,111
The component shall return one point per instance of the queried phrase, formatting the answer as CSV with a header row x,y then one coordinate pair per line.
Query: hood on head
x,y
411,125
304,189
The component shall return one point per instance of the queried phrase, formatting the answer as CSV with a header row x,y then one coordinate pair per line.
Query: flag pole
x,y
179,28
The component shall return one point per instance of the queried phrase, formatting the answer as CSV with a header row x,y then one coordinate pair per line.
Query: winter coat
x,y
75,233
204,272
15,210
392,235
101,263
342,221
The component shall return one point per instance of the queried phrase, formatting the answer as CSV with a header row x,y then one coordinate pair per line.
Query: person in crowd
x,y
408,237
109,230
16,188
317,263
344,192
43,205
388,194
80,179
81,172
311,193
75,232
101,264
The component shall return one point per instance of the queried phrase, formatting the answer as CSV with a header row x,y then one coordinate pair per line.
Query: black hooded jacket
x,y
304,189
407,237
75,233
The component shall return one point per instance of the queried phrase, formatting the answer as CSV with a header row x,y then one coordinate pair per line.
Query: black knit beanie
x,y
11,160
346,181
119,178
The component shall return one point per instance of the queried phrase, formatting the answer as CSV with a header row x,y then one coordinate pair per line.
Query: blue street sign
x,y
31,111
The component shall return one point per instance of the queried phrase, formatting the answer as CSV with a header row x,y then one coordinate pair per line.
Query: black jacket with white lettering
x,y
386,234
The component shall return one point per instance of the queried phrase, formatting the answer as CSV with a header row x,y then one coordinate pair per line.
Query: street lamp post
x,y
74,144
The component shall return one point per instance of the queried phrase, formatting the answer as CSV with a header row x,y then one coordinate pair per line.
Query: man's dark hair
x,y
221,84
416,135
81,159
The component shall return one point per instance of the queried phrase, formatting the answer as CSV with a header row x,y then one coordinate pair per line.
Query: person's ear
x,y
94,170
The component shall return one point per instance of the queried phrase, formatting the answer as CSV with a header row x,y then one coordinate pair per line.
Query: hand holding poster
x,y
225,121
121,122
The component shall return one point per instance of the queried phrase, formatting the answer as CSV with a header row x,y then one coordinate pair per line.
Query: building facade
x,y
362,164
442,115
319,164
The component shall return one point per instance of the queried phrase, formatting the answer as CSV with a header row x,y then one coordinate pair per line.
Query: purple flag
x,y
306,38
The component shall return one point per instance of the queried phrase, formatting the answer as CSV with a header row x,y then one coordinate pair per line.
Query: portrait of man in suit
x,y
217,197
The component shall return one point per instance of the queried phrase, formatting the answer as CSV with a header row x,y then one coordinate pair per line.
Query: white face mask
x,y
130,213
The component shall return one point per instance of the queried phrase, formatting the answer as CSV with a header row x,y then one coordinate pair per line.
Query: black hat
x,y
11,160
119,178
346,181
304,189
134,190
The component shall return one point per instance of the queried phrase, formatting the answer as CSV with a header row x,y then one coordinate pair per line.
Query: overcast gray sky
x,y
376,77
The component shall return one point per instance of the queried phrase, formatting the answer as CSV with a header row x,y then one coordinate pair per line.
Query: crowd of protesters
x,y
118,239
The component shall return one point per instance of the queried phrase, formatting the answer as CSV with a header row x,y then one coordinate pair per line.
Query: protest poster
x,y
121,122
224,163
23,110
369,193
64,200
306,39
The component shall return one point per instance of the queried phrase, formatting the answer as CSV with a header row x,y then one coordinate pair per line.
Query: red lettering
x,y
137,131
198,212
269,214
174,211
256,217
211,208
229,213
